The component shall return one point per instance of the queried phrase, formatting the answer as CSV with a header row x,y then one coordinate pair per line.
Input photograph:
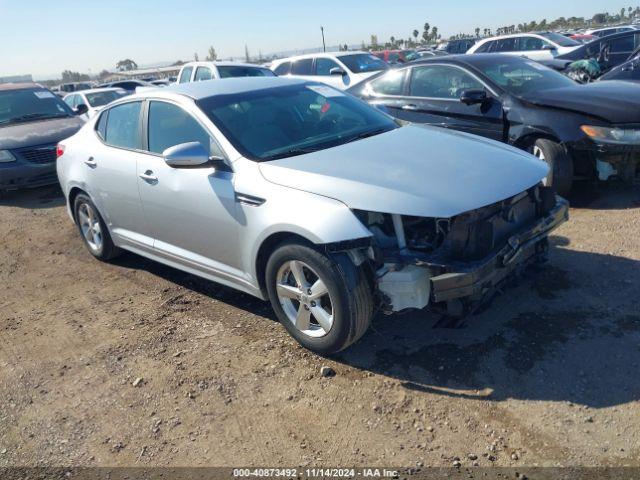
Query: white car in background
x,y
200,71
603,32
94,100
339,69
536,46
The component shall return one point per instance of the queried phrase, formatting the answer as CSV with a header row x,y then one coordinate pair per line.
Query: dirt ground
x,y
547,375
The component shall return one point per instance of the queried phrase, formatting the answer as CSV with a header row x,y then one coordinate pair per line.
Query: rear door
x,y
616,51
303,68
388,92
433,97
112,174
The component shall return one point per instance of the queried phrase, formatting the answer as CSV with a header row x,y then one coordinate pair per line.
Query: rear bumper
x,y
521,250
21,174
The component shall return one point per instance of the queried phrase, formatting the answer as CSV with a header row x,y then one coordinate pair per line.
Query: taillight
x,y
59,150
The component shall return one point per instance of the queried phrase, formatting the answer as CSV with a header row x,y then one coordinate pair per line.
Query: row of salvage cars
x,y
333,208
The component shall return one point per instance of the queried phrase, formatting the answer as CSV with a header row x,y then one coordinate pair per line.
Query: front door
x,y
433,97
192,212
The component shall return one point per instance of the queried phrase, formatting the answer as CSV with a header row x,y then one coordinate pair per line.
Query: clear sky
x,y
44,37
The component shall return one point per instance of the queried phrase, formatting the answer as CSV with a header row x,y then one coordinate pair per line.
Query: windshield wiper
x,y
370,133
291,153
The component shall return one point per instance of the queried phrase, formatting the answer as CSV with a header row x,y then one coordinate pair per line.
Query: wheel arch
x,y
529,139
268,246
73,194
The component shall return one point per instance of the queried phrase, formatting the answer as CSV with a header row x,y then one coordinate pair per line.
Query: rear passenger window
x,y
123,126
170,125
283,69
101,126
485,47
202,73
302,67
389,84
506,45
185,76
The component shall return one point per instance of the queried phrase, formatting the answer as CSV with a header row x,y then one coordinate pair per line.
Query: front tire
x,y
324,304
93,230
560,164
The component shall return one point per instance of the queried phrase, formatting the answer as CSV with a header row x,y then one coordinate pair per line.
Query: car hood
x,y
40,132
414,170
613,101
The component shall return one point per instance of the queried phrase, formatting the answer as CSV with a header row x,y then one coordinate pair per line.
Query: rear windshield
x,y
99,99
18,106
560,39
240,71
363,62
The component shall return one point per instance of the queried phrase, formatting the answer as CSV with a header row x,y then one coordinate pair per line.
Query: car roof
x,y
97,90
319,55
18,86
217,63
227,86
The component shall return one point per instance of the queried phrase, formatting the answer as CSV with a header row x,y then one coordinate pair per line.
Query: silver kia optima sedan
x,y
298,193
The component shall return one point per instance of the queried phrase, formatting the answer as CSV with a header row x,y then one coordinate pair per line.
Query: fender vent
x,y
249,200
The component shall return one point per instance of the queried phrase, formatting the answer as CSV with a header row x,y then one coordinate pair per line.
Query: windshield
x,y
363,62
560,39
100,99
291,120
240,71
519,76
33,104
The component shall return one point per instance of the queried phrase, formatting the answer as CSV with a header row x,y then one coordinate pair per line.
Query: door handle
x,y
411,107
90,162
148,177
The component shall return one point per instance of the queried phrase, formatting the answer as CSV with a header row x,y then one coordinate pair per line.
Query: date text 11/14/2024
x,y
315,472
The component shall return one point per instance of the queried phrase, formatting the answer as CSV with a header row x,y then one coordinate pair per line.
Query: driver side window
x,y
528,44
441,81
170,125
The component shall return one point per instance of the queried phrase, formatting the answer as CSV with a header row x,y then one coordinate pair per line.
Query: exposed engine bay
x,y
444,254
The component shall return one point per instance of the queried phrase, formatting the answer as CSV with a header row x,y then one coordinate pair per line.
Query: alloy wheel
x,y
90,226
304,298
538,153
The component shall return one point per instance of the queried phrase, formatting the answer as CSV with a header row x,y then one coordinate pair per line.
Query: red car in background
x,y
396,56
582,37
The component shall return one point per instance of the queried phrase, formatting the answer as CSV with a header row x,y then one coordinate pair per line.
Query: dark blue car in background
x,y
32,121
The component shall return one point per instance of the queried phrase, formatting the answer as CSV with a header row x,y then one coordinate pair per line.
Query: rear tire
x,y
560,164
324,304
93,230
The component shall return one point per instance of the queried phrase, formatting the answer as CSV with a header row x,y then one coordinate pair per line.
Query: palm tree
x,y
415,35
477,32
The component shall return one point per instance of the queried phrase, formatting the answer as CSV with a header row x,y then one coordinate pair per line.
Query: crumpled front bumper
x,y
521,250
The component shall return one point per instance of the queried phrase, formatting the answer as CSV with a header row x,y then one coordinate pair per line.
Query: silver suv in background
x,y
338,69
299,193
200,71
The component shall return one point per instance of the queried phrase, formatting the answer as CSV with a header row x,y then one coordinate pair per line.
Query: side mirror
x,y
186,155
473,97
337,71
81,109
549,47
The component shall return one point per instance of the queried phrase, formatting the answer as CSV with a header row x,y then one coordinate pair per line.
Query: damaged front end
x,y
457,262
